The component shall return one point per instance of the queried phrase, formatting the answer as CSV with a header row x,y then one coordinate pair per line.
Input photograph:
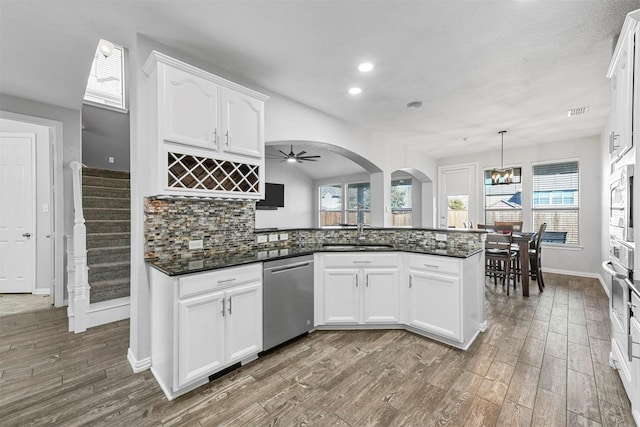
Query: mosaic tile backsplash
x,y
222,225
226,226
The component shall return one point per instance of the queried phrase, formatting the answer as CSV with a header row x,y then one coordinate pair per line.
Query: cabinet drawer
x,y
361,260
436,264
219,279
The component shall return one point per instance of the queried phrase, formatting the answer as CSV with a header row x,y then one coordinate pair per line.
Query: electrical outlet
x,y
284,252
112,160
262,238
441,237
196,244
284,236
274,253
273,237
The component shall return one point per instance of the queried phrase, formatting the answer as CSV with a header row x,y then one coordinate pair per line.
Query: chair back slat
x,y
498,241
515,225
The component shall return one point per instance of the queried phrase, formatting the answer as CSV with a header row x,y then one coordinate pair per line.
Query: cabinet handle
x,y
362,262
356,280
229,305
215,136
226,134
221,282
410,281
223,306
630,343
367,280
612,142
432,265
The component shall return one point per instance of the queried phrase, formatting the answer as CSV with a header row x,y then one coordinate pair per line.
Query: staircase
x,y
107,210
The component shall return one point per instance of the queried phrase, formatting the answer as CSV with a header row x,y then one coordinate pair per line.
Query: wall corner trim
x,y
138,365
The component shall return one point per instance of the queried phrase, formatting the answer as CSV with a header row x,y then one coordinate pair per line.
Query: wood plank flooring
x,y
543,361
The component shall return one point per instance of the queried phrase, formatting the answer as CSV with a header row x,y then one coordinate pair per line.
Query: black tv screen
x,y
273,197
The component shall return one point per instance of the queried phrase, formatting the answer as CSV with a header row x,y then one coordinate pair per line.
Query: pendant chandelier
x,y
502,175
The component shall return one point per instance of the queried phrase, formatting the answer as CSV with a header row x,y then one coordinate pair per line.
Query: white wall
x,y
44,245
298,198
588,257
105,134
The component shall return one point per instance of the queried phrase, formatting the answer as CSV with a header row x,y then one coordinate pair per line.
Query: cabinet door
x,y
242,124
634,396
341,295
620,136
188,108
244,321
201,328
434,303
381,295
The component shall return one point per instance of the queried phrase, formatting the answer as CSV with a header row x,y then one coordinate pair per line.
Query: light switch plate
x,y
112,160
284,236
441,237
196,244
263,238
273,237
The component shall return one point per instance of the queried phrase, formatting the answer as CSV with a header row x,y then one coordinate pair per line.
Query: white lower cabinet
x,y
434,303
357,289
436,296
203,323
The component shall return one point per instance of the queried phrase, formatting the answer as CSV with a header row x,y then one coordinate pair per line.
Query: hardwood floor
x,y
543,361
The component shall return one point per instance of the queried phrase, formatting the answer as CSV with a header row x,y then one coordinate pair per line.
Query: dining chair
x,y
516,225
500,259
535,258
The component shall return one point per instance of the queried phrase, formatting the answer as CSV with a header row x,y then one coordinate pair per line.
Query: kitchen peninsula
x,y
423,280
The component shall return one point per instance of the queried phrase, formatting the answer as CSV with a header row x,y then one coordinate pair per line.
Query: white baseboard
x,y
138,365
109,311
42,292
579,274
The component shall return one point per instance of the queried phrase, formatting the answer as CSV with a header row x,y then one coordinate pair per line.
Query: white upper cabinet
x,y
189,108
621,72
207,133
242,125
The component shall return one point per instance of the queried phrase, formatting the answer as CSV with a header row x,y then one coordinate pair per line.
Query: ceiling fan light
x,y
291,159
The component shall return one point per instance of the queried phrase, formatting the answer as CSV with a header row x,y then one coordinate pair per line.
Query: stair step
x,y
108,226
101,191
105,173
99,181
103,240
108,254
105,202
107,214
105,290
109,271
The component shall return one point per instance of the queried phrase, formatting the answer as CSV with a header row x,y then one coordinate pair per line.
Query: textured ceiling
x,y
478,66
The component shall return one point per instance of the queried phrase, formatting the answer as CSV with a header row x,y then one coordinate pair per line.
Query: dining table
x,y
524,239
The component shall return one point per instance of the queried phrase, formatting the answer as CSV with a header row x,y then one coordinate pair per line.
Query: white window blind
x,y
106,79
503,202
556,201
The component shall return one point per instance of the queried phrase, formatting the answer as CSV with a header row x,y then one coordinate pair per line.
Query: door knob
x,y
27,235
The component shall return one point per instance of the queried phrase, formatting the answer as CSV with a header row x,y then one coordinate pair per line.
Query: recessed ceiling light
x,y
355,91
415,105
365,67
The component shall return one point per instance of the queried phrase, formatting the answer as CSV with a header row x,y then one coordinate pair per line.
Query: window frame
x,y
403,210
344,211
484,197
96,94
552,207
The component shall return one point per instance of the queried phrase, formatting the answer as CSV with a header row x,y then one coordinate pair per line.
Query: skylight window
x,y
106,85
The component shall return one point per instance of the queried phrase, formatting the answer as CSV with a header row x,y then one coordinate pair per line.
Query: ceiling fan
x,y
300,157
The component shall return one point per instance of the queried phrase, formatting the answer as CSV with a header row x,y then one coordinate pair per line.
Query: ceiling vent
x,y
578,111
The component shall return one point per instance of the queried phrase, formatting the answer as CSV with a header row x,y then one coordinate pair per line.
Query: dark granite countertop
x,y
179,266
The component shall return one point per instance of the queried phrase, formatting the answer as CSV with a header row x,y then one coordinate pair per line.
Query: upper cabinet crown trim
x,y
156,57
628,27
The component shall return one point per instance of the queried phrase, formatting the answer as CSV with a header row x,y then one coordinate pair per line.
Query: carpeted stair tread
x,y
108,226
99,181
110,192
111,265
91,214
105,173
106,202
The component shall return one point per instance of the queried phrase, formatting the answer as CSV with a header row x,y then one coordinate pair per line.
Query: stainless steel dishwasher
x,y
288,299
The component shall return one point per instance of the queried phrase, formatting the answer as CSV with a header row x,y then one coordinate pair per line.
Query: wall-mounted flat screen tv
x,y
273,197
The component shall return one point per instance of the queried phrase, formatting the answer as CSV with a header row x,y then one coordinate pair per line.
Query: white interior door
x,y
17,213
457,196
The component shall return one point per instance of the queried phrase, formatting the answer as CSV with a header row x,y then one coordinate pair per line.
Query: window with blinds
x,y
556,201
105,86
503,202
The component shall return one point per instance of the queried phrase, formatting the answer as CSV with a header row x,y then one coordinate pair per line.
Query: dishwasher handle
x,y
290,267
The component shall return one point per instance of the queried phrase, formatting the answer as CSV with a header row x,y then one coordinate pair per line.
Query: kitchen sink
x,y
356,247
